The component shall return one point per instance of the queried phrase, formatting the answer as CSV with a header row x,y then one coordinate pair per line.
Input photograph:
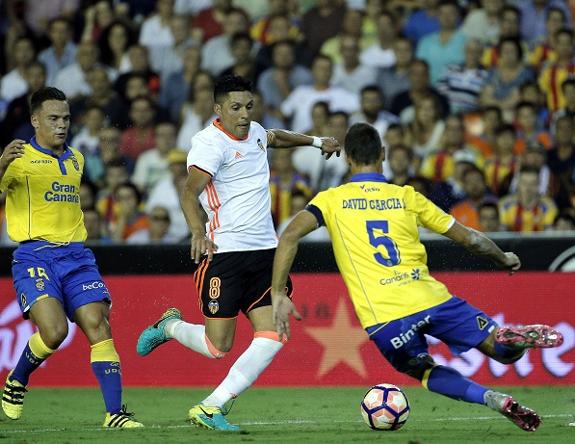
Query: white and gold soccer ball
x,y
385,407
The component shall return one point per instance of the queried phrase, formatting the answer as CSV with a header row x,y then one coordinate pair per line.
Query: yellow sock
x,y
38,347
104,352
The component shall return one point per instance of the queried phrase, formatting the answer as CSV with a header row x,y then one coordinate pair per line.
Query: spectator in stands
x,y
349,73
445,46
140,136
399,158
13,84
158,231
510,28
380,54
152,165
564,222
95,227
299,103
418,87
544,51
16,123
176,88
138,62
62,50
553,75
116,174
500,168
321,22
462,83
528,133
166,193
319,119
351,28
299,201
527,210
156,30
261,31
284,180
533,15
394,136
277,82
395,79
422,21
489,217
425,131
209,22
130,218
39,16
484,23
108,151
491,120
87,139
217,52
196,117
502,84
568,90
530,92
72,80
535,156
475,189
97,17
244,65
166,59
88,192
561,161
372,112
114,42
260,115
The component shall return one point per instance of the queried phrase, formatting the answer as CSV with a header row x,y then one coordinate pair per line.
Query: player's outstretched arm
x,y
478,243
278,138
195,184
12,151
304,223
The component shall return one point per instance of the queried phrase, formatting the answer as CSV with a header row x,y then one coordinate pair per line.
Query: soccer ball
x,y
385,407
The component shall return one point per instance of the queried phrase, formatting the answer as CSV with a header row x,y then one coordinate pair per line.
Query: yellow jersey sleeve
x,y
428,214
14,170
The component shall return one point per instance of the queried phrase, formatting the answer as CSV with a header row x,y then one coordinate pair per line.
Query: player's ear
x,y
218,109
383,152
34,121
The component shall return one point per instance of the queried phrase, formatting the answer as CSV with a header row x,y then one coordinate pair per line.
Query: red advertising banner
x,y
327,348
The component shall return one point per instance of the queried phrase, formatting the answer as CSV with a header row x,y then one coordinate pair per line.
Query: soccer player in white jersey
x,y
229,177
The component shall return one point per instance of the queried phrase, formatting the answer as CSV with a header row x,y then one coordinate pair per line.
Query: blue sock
x,y
507,351
27,363
110,378
451,383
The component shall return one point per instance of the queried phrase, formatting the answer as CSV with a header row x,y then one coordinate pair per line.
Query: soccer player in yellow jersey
x,y
373,226
55,276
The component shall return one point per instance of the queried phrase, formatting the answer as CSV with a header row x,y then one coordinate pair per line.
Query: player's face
x,y
51,123
235,112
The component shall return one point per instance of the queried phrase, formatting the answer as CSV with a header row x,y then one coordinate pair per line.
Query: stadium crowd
x,y
475,100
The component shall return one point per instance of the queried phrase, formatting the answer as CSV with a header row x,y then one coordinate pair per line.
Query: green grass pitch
x,y
284,415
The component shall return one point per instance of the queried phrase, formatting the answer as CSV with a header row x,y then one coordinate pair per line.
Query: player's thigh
x,y
49,316
221,333
92,319
261,318
82,283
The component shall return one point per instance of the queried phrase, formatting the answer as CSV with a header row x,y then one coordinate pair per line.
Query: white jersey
x,y
237,198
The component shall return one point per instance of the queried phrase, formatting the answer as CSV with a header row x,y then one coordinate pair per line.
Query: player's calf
x,y
529,336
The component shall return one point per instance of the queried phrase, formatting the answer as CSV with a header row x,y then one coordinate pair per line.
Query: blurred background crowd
x,y
474,100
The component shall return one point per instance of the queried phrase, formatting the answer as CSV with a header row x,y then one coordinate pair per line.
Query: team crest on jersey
x,y
40,284
23,300
213,306
75,163
261,145
482,322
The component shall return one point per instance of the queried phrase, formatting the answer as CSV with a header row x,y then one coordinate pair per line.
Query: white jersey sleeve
x,y
205,155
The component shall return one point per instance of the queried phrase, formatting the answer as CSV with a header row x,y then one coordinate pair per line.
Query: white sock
x,y
192,336
245,371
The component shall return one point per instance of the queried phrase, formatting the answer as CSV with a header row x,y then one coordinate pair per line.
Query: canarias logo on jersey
x,y
60,192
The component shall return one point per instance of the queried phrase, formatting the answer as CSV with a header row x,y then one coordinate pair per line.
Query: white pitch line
x,y
264,423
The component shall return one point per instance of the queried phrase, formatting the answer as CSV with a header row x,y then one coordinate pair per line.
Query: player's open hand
x,y
329,146
202,245
283,307
13,151
512,262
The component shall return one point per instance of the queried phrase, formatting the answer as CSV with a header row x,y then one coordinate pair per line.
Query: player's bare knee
x,y
54,334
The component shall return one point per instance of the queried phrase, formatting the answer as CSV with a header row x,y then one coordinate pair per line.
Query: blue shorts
x,y
67,273
455,322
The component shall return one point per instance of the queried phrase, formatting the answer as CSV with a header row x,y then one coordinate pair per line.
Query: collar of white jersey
x,y
218,124
368,177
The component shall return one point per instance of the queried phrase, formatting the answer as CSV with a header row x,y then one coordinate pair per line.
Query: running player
x,y
373,226
229,177
55,276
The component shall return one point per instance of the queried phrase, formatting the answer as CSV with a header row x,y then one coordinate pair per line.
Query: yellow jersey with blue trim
x,y
374,229
43,195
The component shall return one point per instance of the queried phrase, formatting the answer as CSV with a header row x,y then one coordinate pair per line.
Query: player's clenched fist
x,y
330,145
13,150
202,245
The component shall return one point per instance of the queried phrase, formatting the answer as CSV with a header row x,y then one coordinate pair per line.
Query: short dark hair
x,y
569,82
515,42
489,204
363,144
230,83
43,95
